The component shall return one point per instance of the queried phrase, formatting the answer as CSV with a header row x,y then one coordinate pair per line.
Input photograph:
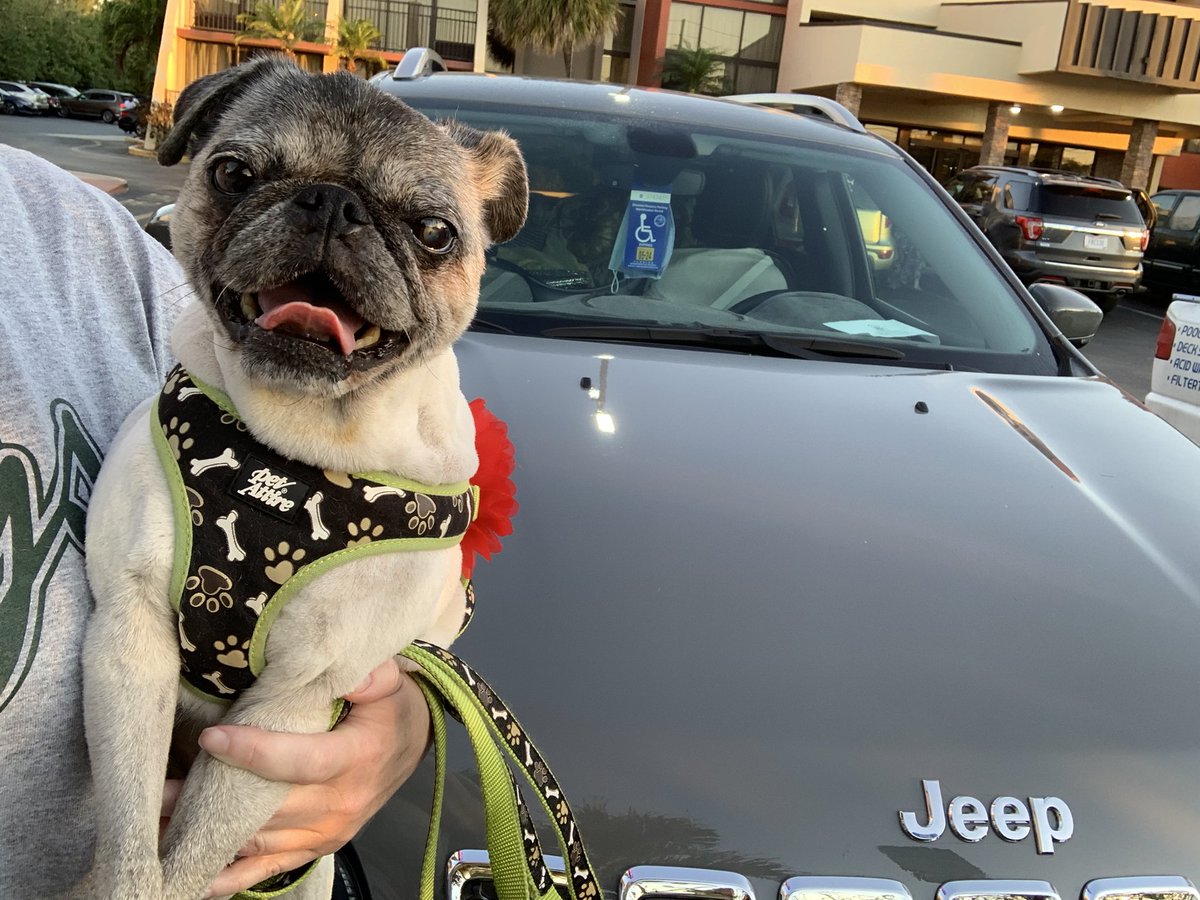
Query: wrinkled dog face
x,y
337,234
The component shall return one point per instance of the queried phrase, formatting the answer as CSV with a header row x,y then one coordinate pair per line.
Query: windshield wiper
x,y
798,346
478,324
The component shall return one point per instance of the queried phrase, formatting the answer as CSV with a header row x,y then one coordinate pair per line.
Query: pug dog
x,y
334,239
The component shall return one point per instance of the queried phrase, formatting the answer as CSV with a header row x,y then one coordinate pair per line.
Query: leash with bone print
x,y
498,741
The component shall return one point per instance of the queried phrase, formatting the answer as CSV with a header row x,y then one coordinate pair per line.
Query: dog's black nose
x,y
329,208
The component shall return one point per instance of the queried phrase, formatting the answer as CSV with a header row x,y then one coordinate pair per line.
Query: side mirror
x,y
1076,316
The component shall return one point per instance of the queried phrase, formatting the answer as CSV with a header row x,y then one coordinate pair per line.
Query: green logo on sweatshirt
x,y
40,520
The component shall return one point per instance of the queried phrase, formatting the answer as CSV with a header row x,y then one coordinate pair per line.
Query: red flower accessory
x,y
497,493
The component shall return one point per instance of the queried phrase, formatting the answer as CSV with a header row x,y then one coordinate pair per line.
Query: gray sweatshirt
x,y
86,303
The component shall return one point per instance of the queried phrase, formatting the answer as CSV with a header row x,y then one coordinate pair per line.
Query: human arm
x,y
340,778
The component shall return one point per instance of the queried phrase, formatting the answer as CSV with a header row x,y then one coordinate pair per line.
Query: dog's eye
x,y
232,176
435,234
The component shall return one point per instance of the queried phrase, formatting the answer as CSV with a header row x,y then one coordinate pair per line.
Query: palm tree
x,y
289,23
695,70
552,25
354,40
132,29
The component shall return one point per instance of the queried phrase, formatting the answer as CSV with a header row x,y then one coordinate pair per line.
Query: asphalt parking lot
x,y
88,145
1123,348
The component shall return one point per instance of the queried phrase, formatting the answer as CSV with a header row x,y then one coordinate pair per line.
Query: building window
x,y
448,26
614,67
747,45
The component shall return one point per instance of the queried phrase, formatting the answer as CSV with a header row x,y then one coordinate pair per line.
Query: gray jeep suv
x,y
829,581
1057,227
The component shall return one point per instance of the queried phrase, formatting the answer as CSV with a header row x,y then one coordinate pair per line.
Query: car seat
x,y
733,224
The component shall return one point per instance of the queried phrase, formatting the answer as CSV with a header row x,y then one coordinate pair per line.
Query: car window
x,y
955,186
7,86
1186,214
1163,203
1089,202
978,190
1016,195
765,234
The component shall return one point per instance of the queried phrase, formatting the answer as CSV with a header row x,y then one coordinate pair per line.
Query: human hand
x,y
339,778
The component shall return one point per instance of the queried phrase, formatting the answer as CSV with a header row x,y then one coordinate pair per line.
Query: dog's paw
x,y
362,532
288,561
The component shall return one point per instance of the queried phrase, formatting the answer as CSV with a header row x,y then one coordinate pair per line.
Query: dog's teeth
x,y
249,306
369,338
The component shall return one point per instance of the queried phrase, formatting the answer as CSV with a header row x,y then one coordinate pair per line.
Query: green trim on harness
x,y
180,512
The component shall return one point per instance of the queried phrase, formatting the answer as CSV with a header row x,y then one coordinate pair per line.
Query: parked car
x,y
1175,372
54,89
1173,256
135,118
96,103
17,98
827,582
57,93
1058,227
52,107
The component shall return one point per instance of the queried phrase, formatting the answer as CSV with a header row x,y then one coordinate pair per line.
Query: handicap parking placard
x,y
649,234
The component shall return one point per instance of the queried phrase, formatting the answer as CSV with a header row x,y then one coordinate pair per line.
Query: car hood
x,y
746,620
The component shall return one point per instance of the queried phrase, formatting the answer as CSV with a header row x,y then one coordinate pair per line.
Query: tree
x,y
289,23
132,30
695,70
42,41
553,25
354,40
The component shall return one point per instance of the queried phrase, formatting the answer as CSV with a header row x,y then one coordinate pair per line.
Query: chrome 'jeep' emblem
x,y
1049,818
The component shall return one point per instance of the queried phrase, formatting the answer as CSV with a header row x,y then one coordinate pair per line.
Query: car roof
x,y
468,89
1048,175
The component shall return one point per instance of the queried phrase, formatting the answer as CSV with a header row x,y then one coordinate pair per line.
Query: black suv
x,y
1057,227
1173,257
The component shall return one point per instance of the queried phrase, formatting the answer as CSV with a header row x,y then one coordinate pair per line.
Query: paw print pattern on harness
x,y
281,571
422,510
211,589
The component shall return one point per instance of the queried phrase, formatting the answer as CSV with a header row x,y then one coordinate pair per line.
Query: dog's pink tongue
x,y
290,308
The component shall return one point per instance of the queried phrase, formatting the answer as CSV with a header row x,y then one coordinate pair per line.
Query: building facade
x,y
205,36
1106,87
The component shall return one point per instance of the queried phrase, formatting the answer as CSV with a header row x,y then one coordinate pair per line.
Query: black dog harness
x,y
253,527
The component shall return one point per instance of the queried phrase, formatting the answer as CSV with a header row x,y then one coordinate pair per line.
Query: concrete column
x,y
1135,171
333,15
652,48
1108,164
849,95
995,135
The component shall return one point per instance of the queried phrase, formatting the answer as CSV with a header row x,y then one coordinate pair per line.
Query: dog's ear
x,y
201,103
499,174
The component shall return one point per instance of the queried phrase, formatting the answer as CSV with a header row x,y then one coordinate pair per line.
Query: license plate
x,y
1095,242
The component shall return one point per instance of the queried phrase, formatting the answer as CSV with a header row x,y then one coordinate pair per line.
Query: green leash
x,y
497,739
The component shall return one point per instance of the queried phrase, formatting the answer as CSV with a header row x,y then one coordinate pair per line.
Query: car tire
x,y
62,113
8,108
108,117
1106,302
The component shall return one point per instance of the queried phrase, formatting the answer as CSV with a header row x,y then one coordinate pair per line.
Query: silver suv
x,y
1057,227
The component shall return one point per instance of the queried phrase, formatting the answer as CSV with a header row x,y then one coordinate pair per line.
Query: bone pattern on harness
x,y
278,524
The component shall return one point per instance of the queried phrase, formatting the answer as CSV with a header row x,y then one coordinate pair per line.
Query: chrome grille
x,y
648,882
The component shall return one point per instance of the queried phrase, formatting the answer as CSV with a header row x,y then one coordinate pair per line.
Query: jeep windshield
x,y
639,231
